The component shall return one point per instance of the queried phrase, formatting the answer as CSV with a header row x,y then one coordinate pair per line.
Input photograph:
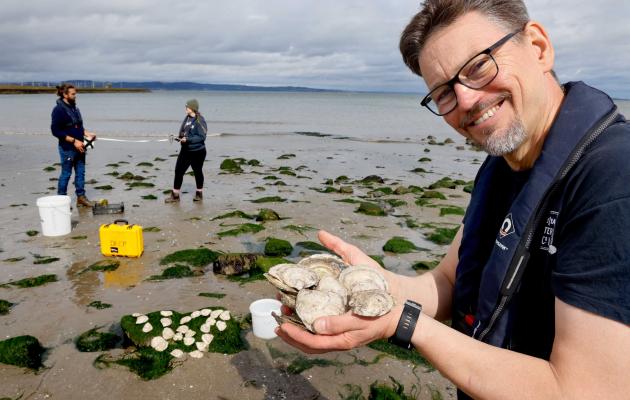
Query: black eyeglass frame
x,y
451,82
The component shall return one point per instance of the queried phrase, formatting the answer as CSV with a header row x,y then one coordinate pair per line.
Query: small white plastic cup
x,y
263,323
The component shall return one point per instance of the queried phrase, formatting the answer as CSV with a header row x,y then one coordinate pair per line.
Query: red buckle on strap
x,y
469,319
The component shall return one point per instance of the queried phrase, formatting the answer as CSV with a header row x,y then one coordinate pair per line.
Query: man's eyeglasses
x,y
478,72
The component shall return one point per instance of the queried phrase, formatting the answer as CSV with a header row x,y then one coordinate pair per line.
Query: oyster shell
x,y
288,299
292,319
177,353
371,303
214,314
202,346
330,284
291,277
166,313
185,319
196,354
221,325
188,341
195,314
312,304
207,338
324,264
141,319
147,328
166,321
225,315
205,312
167,333
360,278
159,343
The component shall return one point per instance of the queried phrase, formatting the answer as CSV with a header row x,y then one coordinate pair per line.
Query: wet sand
x,y
57,312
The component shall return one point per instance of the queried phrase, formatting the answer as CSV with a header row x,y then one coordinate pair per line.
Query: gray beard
x,y
502,143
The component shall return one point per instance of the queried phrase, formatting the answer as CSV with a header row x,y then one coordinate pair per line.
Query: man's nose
x,y
466,97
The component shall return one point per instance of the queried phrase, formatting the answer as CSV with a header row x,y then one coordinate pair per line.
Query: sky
x,y
333,44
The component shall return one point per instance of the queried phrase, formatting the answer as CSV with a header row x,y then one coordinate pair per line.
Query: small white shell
x,y
166,321
177,337
205,328
166,313
215,314
136,314
195,314
221,326
225,315
142,319
207,338
147,328
182,329
167,333
205,312
201,346
189,333
185,319
210,321
158,343
188,341
196,354
177,353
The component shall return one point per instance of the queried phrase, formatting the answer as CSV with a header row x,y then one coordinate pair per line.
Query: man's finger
x,y
334,325
310,343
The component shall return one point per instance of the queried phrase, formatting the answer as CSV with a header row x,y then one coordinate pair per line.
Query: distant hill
x,y
156,85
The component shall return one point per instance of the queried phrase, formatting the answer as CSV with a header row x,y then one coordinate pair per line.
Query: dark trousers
x,y
187,159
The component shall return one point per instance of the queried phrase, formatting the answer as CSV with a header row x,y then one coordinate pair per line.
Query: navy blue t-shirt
x,y
580,254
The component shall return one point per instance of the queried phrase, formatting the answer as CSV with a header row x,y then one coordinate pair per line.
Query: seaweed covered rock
x,y
277,247
33,281
372,179
175,272
194,257
372,209
93,340
399,245
241,229
5,306
234,263
22,351
230,165
267,214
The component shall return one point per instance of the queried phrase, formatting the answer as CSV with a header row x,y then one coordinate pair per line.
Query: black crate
x,y
116,208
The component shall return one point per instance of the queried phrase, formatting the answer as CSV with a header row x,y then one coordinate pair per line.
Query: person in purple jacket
x,y
67,126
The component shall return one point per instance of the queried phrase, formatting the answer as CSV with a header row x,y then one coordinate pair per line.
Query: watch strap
x,y
406,324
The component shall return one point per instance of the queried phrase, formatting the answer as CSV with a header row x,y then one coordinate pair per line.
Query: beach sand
x,y
56,313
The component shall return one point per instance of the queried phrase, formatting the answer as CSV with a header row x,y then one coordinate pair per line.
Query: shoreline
x,y
17,89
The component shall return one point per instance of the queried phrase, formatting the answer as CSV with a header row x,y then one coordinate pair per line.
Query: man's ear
x,y
537,39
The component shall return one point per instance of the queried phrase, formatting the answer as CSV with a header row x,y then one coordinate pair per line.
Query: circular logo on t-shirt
x,y
507,227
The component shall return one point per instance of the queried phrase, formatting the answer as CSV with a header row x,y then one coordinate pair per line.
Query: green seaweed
x,y
81,237
149,197
269,199
253,162
44,259
230,165
301,364
92,340
104,187
271,178
103,266
277,247
144,164
402,354
194,257
378,259
32,233
49,169
250,276
212,295
147,363
424,159
5,307
33,281
151,229
446,183
372,179
400,190
140,184
234,214
13,259
286,156
314,246
241,229
452,210
349,201
372,209
299,228
99,305
442,235
113,165
433,194
424,265
22,351
175,272
396,202
399,245
265,263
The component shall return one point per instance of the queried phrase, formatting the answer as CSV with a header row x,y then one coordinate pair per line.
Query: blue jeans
x,y
71,159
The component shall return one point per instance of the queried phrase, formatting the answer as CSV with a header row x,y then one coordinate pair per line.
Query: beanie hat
x,y
193,104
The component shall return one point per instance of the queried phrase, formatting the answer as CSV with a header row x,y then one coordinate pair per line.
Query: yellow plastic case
x,y
121,240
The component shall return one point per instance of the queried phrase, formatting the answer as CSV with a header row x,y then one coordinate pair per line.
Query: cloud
x,y
350,44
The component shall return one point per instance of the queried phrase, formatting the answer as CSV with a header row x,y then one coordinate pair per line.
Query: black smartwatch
x,y
406,324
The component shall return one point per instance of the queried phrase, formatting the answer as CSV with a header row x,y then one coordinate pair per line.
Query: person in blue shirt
x,y
537,280
192,137
67,126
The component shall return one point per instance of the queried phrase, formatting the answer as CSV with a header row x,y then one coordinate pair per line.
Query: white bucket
x,y
263,322
54,213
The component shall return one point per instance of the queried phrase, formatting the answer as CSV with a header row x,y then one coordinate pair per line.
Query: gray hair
x,y
435,14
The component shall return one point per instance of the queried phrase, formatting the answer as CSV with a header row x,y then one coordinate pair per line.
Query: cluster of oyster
x,y
323,285
169,333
